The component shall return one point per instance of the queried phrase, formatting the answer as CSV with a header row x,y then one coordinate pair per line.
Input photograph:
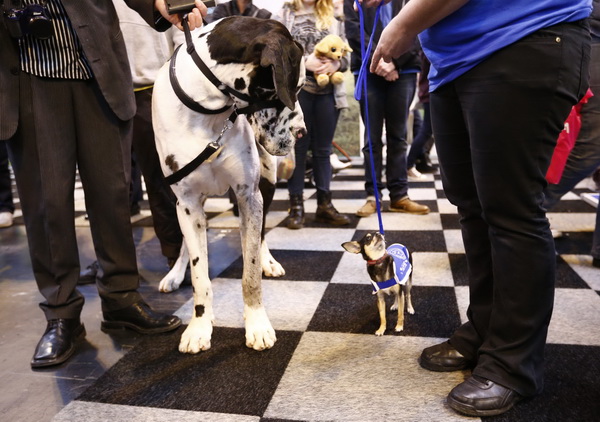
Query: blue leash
x,y
361,90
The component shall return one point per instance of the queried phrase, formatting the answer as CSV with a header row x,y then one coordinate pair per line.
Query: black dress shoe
x,y
58,342
89,274
481,397
443,358
141,318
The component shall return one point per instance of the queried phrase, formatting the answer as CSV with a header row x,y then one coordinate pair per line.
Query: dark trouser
x,y
6,199
389,104
63,125
585,156
160,196
417,147
495,129
320,117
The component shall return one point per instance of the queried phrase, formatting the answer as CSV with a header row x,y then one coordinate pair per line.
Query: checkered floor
x,y
327,363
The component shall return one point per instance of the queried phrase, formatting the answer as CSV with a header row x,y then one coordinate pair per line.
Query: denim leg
x,y
373,143
389,104
397,107
418,145
493,169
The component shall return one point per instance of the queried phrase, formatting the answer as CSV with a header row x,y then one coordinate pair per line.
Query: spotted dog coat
x,y
256,57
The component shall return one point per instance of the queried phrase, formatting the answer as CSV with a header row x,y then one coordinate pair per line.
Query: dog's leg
x,y
175,276
382,319
259,332
406,289
268,169
193,225
400,298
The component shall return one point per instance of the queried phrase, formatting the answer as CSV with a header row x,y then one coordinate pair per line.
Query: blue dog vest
x,y
402,268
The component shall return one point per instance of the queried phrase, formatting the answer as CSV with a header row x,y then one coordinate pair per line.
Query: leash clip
x,y
228,125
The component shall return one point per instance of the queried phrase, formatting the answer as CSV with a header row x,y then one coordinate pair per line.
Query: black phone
x,y
184,6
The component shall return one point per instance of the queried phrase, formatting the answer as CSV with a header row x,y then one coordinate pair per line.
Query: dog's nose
x,y
299,133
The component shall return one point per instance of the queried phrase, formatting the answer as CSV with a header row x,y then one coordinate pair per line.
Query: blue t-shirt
x,y
468,36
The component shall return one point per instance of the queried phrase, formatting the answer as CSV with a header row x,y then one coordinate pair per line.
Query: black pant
x,y
495,129
66,124
160,196
6,199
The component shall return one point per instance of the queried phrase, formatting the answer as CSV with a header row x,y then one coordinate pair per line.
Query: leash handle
x,y
361,91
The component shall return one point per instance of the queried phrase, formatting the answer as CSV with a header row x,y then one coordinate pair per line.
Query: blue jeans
x,y
320,117
389,104
495,129
423,135
585,155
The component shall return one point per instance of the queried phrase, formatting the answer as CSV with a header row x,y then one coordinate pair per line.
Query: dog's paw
x,y
394,307
399,328
380,332
260,335
169,284
410,309
272,268
197,336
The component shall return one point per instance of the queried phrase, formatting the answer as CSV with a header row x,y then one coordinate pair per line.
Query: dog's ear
x,y
348,48
352,246
283,56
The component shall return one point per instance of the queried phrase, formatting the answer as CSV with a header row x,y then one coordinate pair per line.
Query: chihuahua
x,y
390,270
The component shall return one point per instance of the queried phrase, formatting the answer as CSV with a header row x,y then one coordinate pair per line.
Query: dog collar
x,y
377,261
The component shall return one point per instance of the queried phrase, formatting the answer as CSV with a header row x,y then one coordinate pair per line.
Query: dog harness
x,y
402,267
214,146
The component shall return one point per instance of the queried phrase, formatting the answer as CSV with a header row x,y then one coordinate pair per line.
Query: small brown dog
x,y
390,270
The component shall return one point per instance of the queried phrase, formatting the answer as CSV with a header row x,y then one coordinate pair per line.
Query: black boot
x,y
295,219
326,212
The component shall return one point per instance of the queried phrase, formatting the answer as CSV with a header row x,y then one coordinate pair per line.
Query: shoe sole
x,y
44,364
472,411
439,368
333,223
121,325
364,214
408,212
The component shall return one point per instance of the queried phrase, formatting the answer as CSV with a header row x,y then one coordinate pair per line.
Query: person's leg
x,y
160,196
6,198
596,241
373,141
585,155
417,148
509,152
325,118
43,156
398,97
104,161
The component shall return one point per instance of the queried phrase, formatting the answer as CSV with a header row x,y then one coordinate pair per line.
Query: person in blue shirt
x,y
503,78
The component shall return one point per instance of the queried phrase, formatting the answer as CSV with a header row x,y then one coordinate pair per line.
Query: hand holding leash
x,y
195,15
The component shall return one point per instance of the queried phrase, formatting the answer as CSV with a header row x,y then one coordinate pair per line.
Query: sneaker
x,y
368,209
415,175
6,219
336,164
408,206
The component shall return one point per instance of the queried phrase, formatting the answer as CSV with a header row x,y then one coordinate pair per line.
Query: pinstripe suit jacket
x,y
97,26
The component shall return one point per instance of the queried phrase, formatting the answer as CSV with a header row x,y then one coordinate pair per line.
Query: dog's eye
x,y
333,49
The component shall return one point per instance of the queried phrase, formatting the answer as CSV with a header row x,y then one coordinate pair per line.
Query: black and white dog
x,y
227,100
390,270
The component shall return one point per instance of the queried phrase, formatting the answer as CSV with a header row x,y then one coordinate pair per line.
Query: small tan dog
x,y
332,47
390,270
